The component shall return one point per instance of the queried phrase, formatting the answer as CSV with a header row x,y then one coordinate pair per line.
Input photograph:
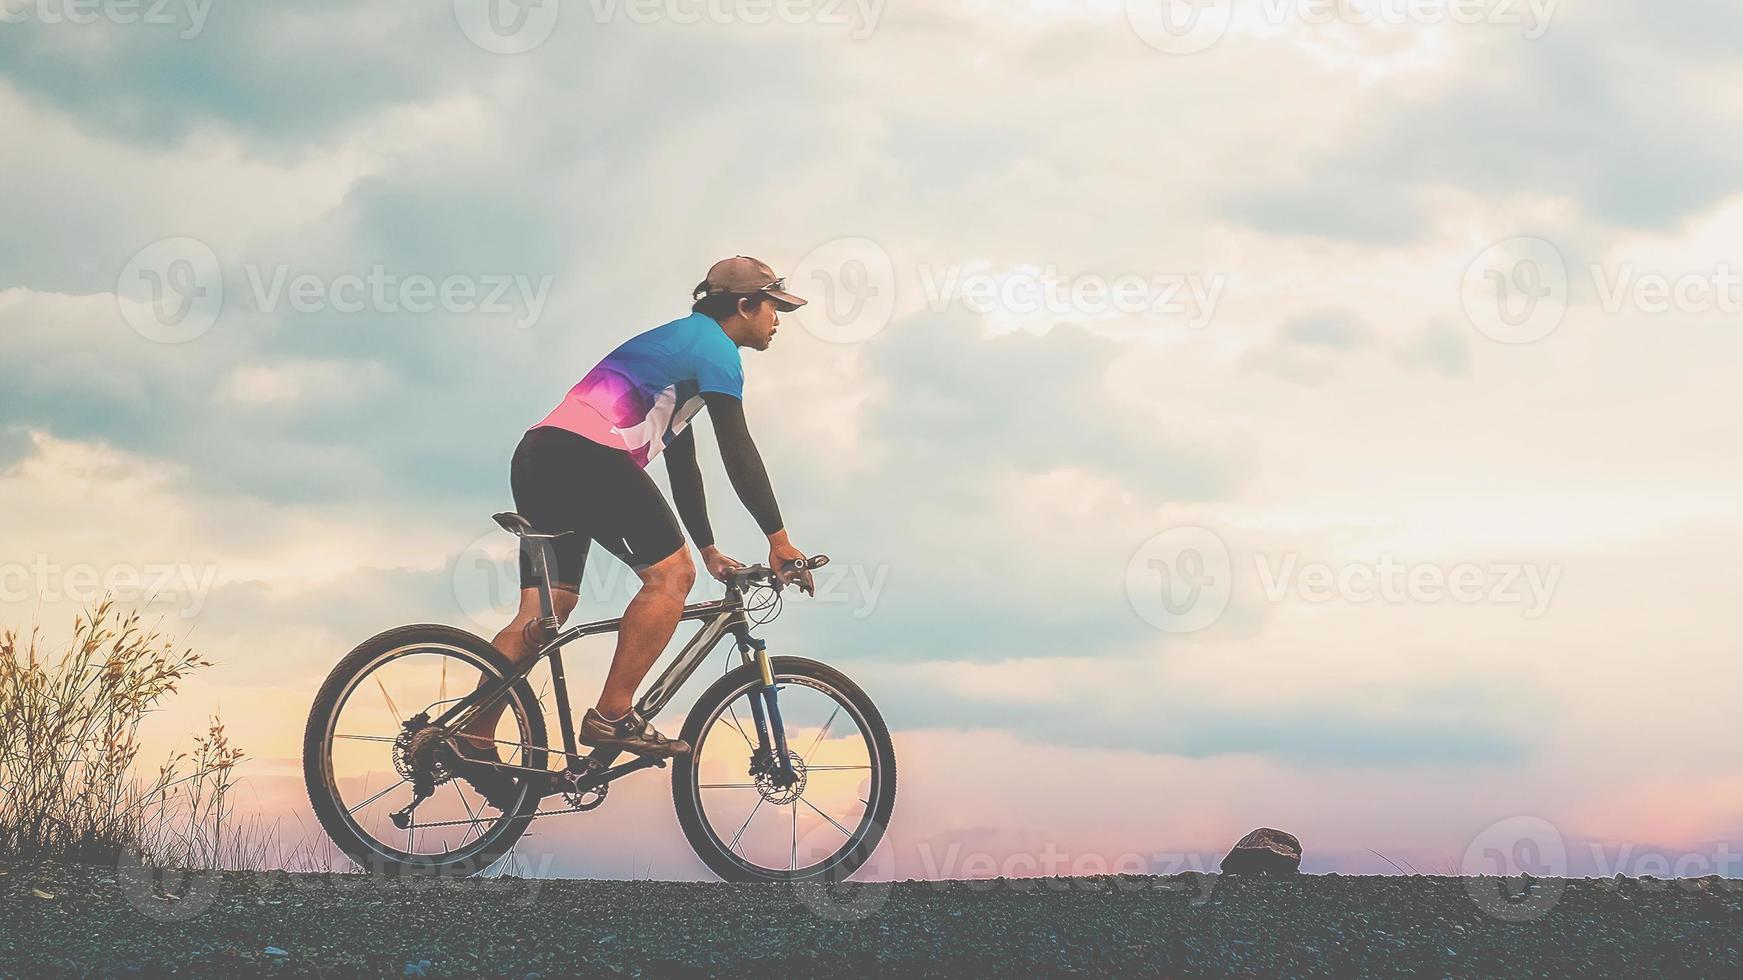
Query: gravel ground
x,y
59,921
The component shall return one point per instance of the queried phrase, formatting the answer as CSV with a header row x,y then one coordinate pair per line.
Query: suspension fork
x,y
765,709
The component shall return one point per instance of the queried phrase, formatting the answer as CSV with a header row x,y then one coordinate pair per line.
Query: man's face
x,y
762,319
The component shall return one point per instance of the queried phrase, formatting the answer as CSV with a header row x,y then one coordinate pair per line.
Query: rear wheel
x,y
365,749
747,825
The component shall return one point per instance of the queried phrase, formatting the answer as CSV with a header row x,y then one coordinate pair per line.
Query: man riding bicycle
x,y
583,469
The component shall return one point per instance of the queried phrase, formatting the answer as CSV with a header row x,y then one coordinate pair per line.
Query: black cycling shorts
x,y
564,481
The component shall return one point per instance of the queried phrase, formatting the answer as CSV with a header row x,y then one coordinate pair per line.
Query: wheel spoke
x,y
833,768
385,697
474,826
727,786
740,727
372,799
367,738
793,860
825,729
741,829
826,816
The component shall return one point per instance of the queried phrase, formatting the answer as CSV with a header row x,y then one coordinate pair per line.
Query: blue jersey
x,y
643,394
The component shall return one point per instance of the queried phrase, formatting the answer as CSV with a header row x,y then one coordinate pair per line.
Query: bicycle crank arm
x,y
574,782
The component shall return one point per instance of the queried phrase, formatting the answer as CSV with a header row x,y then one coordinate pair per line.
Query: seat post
x,y
541,545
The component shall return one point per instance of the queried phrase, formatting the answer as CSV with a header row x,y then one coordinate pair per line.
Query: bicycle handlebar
x,y
750,575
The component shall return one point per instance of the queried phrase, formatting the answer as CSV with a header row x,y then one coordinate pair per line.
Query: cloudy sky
x,y
1312,415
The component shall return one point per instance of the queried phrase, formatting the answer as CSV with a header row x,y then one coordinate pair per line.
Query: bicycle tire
x,y
687,802
317,771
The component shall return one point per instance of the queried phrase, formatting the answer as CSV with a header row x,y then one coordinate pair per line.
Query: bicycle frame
x,y
719,617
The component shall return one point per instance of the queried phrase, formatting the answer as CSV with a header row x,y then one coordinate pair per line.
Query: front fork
x,y
766,710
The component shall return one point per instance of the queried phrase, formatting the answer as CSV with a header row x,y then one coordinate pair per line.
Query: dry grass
x,y
69,741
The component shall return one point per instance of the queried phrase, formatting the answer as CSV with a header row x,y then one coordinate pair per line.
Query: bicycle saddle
x,y
523,527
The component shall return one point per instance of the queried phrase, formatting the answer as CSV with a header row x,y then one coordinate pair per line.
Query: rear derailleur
x,y
422,758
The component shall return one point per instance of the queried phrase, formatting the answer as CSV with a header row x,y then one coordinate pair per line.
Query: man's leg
x,y
648,625
516,644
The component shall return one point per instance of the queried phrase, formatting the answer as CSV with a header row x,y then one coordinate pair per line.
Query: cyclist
x,y
582,469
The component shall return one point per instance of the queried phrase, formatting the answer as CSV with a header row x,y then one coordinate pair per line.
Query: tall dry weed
x,y
69,741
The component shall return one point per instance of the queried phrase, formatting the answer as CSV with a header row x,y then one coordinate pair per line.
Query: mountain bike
x,y
790,740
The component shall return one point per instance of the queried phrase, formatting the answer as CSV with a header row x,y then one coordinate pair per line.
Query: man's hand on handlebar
x,y
781,551
719,565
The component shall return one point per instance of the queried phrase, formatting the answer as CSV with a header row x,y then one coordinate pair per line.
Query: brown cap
x,y
743,274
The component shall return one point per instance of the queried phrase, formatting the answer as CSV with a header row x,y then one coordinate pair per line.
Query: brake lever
x,y
798,567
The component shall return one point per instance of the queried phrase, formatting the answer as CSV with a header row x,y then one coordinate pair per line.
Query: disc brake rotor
x,y
776,789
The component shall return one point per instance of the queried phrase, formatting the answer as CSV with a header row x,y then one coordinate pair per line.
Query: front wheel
x,y
747,825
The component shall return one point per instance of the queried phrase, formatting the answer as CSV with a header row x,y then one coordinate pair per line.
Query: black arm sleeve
x,y
744,465
686,477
